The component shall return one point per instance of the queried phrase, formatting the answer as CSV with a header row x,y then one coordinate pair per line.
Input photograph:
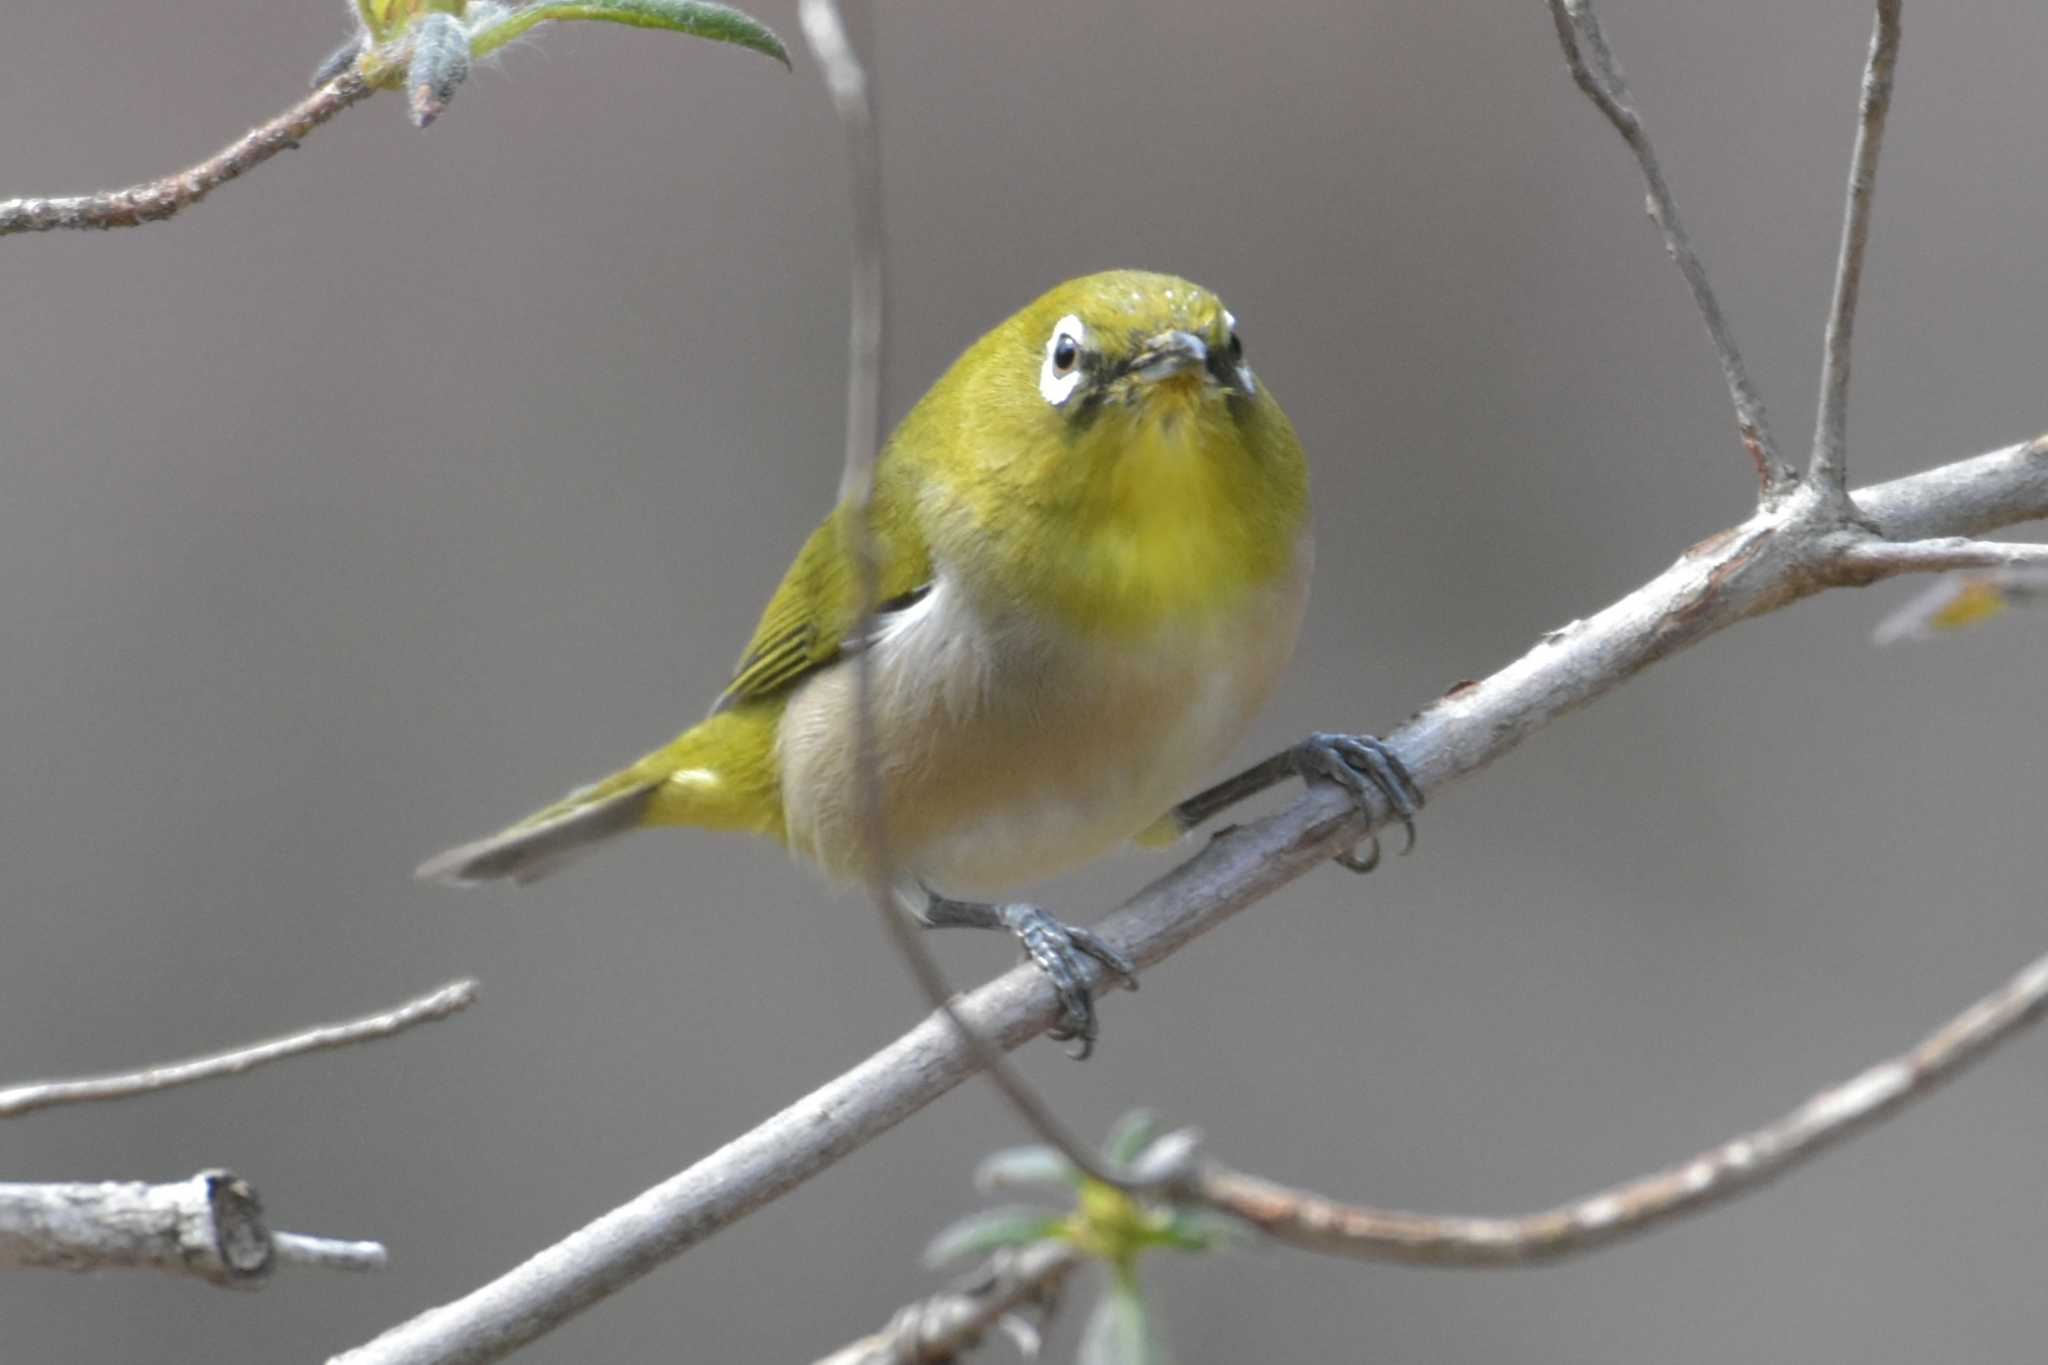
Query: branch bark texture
x,y
1737,1166
1831,423
154,200
210,1227
436,1004
1779,555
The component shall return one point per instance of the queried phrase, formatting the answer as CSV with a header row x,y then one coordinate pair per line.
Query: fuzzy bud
x,y
439,63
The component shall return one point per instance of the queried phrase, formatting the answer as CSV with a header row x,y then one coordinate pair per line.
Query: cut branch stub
x,y
210,1226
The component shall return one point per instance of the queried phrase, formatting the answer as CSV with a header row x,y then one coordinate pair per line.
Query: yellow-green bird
x,y
1094,550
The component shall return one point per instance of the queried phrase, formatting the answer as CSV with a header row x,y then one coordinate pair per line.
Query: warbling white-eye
x,y
1093,547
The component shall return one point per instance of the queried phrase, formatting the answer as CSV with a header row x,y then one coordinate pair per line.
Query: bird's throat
x,y
1176,524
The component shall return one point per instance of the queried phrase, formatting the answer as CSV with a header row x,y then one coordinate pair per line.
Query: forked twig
x,y
1725,579
1779,555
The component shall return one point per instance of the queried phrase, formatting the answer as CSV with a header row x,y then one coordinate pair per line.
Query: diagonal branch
x,y
1830,468
1594,69
1736,1167
436,1004
1769,561
155,200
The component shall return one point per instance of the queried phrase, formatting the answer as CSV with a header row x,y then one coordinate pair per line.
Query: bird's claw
x,y
1056,949
1362,764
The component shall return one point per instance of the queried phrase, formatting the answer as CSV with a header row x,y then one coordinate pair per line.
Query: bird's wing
x,y
817,605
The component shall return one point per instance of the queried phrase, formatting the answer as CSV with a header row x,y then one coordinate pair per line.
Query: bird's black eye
x,y
1236,347
1066,353
1059,374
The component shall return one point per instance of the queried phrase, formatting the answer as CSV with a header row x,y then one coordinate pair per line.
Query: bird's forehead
x,y
1131,304
1170,307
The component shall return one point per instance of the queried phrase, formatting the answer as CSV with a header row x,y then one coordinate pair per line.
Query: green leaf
x,y
699,18
1119,1330
385,17
380,17
1202,1230
1132,1134
980,1233
1026,1168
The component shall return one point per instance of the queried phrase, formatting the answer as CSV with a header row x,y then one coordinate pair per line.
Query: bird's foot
x,y
1055,947
1361,764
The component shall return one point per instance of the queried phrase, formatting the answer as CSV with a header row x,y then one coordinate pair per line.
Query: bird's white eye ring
x,y
1061,372
1236,348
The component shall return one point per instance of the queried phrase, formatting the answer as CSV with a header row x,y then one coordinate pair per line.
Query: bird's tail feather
x,y
720,774
547,841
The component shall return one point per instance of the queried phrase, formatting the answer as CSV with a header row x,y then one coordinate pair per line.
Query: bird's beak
x,y
1170,353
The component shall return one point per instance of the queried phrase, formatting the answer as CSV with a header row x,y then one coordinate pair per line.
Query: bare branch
x,y
1830,468
210,1227
159,199
1966,498
1774,558
1593,67
943,1326
1884,559
847,81
849,84
328,1253
436,1004
1735,1167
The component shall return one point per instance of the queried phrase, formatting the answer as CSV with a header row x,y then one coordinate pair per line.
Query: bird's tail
x,y
719,774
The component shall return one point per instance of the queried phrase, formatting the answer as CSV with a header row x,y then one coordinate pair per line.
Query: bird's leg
x,y
1055,947
1357,763
1198,809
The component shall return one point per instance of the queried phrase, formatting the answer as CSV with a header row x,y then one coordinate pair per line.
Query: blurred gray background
x,y
419,476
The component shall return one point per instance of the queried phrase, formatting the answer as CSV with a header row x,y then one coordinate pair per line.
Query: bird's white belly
x,y
1012,753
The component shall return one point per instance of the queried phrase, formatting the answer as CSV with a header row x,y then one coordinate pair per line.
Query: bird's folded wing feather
x,y
817,606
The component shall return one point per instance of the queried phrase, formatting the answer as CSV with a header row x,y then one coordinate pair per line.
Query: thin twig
x,y
1830,471
1737,1166
328,1253
436,1004
1748,570
155,200
943,1326
210,1227
1887,559
850,87
1593,67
